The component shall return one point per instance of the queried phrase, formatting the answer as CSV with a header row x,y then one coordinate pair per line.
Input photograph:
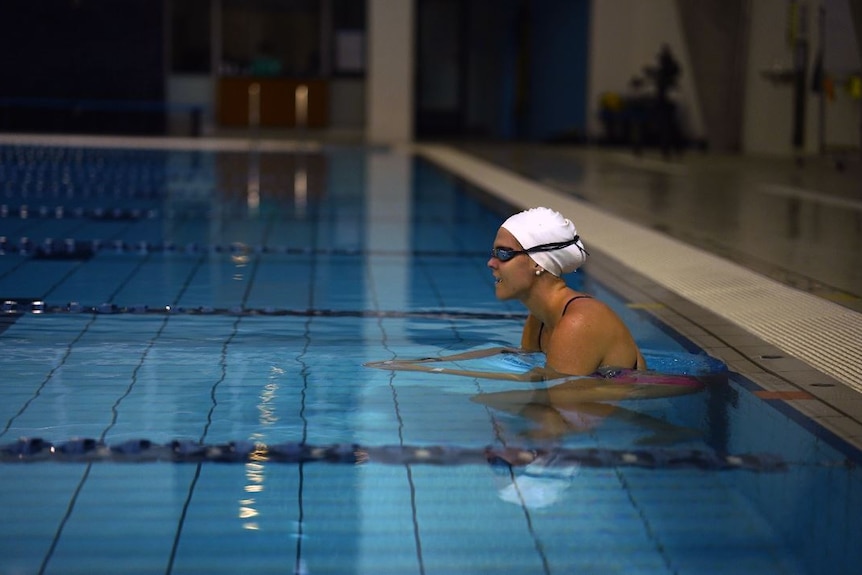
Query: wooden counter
x,y
277,101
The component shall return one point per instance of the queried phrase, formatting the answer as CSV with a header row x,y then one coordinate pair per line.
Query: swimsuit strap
x,y
573,299
565,307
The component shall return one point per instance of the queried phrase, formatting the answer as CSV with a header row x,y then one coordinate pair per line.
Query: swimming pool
x,y
182,309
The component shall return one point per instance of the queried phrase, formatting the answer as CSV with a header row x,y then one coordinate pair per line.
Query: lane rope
x,y
89,450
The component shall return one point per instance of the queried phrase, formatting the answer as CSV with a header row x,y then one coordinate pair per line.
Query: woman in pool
x,y
578,334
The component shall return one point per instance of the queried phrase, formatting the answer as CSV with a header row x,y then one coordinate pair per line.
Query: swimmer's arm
x,y
426,365
411,366
533,375
475,354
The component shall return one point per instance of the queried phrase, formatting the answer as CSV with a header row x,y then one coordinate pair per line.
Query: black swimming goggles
x,y
505,254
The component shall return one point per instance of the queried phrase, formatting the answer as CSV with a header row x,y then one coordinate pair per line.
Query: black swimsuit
x,y
542,327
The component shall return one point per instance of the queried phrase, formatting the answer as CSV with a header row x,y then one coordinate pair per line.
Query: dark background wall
x,y
716,33
517,71
88,66
558,69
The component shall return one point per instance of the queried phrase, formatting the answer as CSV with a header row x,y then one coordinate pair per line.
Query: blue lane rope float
x,y
24,211
70,248
19,307
88,450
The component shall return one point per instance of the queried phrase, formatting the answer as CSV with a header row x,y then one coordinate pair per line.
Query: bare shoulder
x,y
591,318
599,333
588,309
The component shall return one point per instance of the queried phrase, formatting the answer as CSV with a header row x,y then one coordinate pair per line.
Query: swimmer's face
x,y
515,276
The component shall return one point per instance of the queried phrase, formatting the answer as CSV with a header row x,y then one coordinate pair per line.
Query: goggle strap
x,y
555,246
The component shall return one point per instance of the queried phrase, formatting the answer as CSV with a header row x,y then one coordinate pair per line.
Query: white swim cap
x,y
540,226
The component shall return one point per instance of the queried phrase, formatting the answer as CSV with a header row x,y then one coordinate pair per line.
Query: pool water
x,y
220,306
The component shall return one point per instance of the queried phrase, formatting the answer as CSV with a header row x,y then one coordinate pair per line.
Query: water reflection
x,y
582,405
539,479
764,213
255,470
262,180
539,483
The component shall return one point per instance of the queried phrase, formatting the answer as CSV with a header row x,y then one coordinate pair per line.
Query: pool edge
x,y
832,401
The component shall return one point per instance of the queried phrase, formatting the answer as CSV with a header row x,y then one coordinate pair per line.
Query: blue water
x,y
217,297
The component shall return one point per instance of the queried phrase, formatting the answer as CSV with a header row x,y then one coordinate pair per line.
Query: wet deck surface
x,y
801,226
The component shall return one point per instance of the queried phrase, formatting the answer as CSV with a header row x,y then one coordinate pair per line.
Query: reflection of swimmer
x,y
579,405
539,482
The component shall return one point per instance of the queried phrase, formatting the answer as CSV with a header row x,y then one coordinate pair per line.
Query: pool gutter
x,y
799,349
